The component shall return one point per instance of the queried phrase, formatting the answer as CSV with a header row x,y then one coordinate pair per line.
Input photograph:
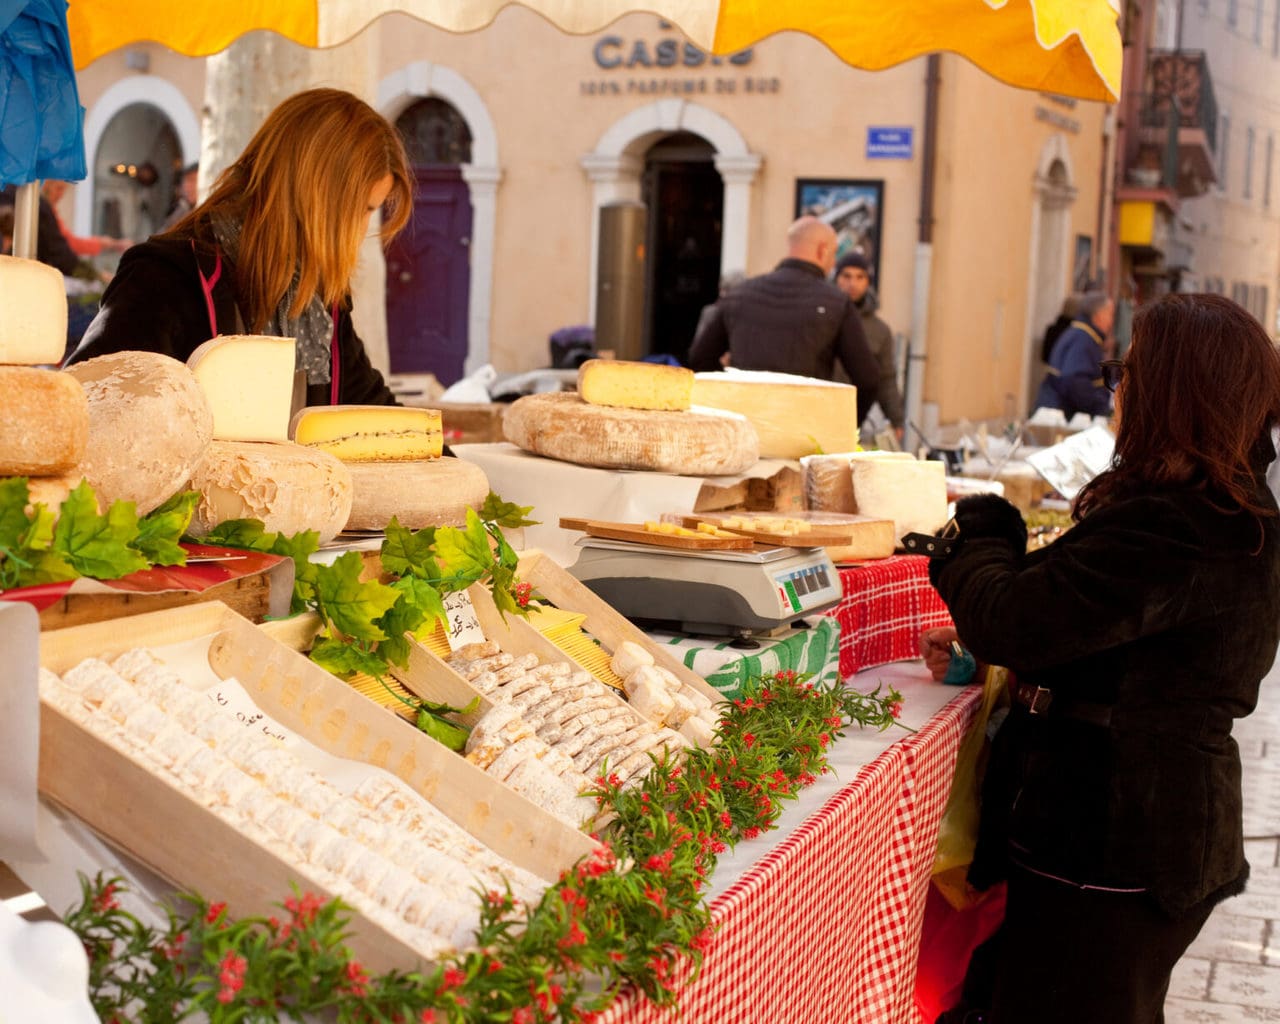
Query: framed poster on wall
x,y
855,208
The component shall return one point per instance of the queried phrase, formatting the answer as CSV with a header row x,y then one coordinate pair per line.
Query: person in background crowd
x,y
54,245
727,283
1070,310
6,230
853,277
187,195
1073,381
792,320
272,249
1112,798
82,245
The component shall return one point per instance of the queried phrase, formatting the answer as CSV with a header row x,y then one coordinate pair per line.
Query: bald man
x,y
792,319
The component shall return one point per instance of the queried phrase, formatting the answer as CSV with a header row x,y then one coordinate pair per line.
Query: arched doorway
x,y
428,264
1050,258
135,172
684,195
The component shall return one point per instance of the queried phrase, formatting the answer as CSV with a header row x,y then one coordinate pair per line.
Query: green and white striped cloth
x,y
815,650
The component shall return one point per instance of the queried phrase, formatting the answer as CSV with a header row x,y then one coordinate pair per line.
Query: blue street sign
x,y
889,143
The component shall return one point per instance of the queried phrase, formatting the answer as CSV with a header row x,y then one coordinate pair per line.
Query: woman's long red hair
x,y
1201,389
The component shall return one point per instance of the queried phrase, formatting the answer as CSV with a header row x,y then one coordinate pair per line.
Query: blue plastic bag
x,y
41,120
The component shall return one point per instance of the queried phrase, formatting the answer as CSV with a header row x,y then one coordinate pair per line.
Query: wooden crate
x,y
154,821
250,596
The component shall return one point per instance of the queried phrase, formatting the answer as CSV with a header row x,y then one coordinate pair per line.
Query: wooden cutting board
x,y
812,539
636,533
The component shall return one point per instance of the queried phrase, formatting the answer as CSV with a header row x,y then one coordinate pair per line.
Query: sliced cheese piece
x,y
288,487
370,433
149,424
248,382
44,422
911,492
629,385
417,494
793,416
868,539
827,483
562,426
33,313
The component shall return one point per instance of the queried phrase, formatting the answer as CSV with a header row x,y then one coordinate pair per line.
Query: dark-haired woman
x,y
1112,801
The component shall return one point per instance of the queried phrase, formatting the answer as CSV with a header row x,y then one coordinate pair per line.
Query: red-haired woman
x,y
272,249
1112,801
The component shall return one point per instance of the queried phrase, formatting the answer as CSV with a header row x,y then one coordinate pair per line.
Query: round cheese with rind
x,y
562,426
288,487
44,422
149,424
418,494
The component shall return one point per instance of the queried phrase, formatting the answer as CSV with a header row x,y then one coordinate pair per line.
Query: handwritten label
x,y
235,703
464,626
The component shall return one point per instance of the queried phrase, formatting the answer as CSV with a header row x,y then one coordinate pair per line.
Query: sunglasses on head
x,y
1112,373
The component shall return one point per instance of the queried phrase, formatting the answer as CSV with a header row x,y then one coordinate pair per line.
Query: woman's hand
x,y
935,648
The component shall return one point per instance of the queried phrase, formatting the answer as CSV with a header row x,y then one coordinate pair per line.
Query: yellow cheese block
x,y
370,433
562,426
794,416
629,385
33,313
418,494
44,421
248,382
288,487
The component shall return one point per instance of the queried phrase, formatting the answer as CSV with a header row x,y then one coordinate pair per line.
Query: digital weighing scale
x,y
715,593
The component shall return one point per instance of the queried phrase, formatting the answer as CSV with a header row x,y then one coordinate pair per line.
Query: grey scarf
x,y
312,329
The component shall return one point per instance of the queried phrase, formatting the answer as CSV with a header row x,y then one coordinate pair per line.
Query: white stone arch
x,y
1048,253
148,89
419,80
614,168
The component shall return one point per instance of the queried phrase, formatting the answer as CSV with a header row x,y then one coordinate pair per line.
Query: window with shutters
x,y
1266,167
1248,162
1240,293
1224,147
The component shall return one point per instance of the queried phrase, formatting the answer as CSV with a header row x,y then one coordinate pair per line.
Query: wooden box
x,y
148,816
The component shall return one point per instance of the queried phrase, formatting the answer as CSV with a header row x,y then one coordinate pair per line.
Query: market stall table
x,y
819,920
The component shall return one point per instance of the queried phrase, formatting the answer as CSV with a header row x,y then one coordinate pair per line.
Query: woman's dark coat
x,y
155,303
1152,622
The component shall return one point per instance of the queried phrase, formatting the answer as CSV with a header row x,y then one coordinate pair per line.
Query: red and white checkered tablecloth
x,y
885,606
825,928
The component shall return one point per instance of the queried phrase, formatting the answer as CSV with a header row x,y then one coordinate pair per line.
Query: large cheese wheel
x,y
149,424
563,426
435,492
289,487
44,422
33,312
793,416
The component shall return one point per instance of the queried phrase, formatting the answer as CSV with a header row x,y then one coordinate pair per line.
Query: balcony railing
x,y
1180,80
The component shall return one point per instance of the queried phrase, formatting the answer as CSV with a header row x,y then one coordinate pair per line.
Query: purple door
x,y
429,278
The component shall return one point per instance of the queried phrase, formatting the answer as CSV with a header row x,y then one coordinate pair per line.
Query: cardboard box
x,y
149,816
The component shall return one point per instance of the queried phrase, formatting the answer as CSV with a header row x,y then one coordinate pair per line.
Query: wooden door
x,y
429,278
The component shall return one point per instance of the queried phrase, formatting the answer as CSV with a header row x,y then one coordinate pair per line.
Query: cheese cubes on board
x,y
33,313
635,385
248,382
370,433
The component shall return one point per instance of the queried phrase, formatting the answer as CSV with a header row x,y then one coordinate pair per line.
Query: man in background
x,y
188,194
853,277
1073,380
792,320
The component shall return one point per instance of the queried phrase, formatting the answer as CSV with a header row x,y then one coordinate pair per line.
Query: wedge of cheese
x,y
288,487
149,424
248,382
628,385
417,494
793,416
370,433
44,421
828,482
562,426
911,492
33,313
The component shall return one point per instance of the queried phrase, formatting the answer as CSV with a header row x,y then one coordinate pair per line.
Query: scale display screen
x,y
804,588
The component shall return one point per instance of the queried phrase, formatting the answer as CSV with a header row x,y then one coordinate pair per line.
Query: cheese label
x,y
464,625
